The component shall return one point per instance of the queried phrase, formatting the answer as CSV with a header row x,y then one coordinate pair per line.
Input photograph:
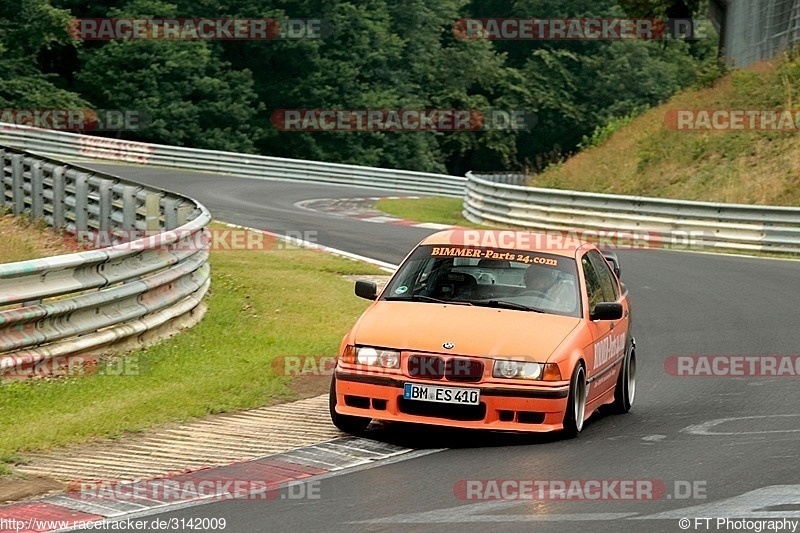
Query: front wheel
x,y
625,390
354,425
576,403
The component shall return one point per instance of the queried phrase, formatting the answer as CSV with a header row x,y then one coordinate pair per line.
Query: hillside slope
x,y
648,158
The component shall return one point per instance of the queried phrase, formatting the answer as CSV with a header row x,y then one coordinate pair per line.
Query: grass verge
x,y
25,239
262,304
434,209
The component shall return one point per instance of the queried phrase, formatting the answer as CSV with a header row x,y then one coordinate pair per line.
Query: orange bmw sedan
x,y
497,330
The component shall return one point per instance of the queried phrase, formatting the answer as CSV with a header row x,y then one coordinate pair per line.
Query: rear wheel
x,y
626,383
576,403
349,424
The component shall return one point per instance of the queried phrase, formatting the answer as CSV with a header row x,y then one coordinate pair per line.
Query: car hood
x,y
476,331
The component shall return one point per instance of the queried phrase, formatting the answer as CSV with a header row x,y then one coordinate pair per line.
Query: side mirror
x,y
613,260
607,311
366,290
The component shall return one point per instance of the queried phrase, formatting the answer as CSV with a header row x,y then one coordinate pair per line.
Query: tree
x,y
380,55
377,54
26,28
189,95
661,8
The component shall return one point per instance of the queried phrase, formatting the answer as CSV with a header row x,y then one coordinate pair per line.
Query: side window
x,y
422,275
605,275
432,270
593,288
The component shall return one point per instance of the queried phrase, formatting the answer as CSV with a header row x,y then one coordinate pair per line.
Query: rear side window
x,y
594,290
605,276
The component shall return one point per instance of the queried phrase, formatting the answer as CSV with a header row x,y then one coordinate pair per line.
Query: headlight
x,y
516,370
367,355
504,368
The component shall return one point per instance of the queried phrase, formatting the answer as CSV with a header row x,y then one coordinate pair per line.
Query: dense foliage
x,y
379,54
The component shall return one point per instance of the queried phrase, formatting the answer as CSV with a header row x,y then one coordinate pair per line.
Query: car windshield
x,y
511,279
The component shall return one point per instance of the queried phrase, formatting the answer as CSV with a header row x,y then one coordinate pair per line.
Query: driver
x,y
548,282
541,279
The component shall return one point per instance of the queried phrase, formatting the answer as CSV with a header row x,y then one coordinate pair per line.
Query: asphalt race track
x,y
685,304
269,205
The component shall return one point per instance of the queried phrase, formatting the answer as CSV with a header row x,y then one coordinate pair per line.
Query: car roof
x,y
553,243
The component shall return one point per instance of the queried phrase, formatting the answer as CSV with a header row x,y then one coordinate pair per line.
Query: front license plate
x,y
435,393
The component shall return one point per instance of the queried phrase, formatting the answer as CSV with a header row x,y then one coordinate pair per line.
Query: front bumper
x,y
525,408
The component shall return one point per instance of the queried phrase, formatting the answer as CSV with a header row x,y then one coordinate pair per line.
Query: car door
x,y
600,355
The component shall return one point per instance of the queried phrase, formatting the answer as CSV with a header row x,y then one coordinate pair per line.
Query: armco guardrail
x,y
72,304
62,144
495,198
501,199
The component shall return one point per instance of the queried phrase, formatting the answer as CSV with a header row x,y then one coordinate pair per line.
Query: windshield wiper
x,y
421,298
509,305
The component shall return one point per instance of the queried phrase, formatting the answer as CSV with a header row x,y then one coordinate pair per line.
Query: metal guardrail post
x,y
152,208
2,177
59,197
171,213
184,212
37,191
81,201
17,185
104,215
129,207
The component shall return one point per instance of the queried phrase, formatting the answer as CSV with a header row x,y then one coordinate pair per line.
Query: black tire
x,y
576,403
354,425
625,391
